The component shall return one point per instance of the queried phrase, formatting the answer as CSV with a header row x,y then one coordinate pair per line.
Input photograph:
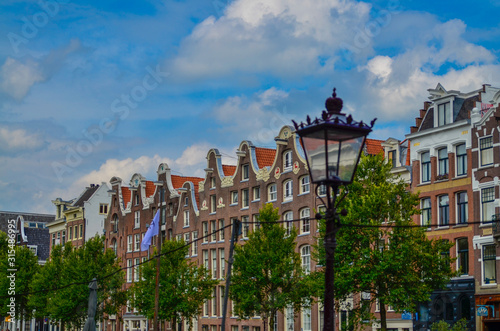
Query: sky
x,y
94,89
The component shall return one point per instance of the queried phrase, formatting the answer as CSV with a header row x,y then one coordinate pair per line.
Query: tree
x,y
460,325
267,272
184,286
61,288
17,273
379,250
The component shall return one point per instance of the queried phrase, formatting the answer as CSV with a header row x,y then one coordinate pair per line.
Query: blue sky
x,y
95,89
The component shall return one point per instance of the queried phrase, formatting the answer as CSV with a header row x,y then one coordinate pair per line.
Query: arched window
x,y
288,216
287,160
272,192
288,190
305,222
114,245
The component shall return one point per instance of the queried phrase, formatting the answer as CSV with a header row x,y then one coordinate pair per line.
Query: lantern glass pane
x,y
349,156
316,157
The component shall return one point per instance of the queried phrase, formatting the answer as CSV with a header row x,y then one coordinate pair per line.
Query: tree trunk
x,y
383,316
174,324
264,318
271,321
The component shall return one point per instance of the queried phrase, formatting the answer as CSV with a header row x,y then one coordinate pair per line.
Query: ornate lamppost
x,y
332,146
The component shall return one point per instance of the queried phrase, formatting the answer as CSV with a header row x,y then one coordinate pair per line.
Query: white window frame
x,y
305,184
137,219
137,242
130,243
245,172
287,160
489,149
305,222
288,190
492,202
234,197
186,218
288,217
245,198
305,256
461,157
256,193
272,192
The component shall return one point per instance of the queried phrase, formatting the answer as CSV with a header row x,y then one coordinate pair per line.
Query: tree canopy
x,y
379,250
267,272
184,286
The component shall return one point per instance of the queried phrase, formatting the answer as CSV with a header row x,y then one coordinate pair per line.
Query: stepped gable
x,y
265,156
228,170
374,146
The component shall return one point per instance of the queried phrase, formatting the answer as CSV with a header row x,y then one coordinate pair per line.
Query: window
x,y
114,245
213,253
425,159
130,244
461,160
186,240
425,207
186,201
288,190
76,231
205,231
443,114
306,319
272,195
442,162
255,221
63,237
245,197
444,210
103,208
214,306
129,271
463,256
487,204
221,230
305,186
287,160
289,222
392,158
244,172
212,182
256,193
195,243
205,259
136,270
70,233
136,199
213,203
305,254
234,197
489,264
186,218
462,208
245,225
290,319
486,150
222,263
137,242
81,230
213,228
322,190
305,222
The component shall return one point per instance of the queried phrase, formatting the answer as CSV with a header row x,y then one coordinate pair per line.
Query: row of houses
x,y
450,157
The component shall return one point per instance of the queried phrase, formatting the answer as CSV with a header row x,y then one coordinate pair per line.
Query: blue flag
x,y
152,231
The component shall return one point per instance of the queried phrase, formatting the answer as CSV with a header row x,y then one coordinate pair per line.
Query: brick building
x,y
197,207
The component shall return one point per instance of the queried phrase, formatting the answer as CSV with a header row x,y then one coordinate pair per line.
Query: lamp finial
x,y
333,104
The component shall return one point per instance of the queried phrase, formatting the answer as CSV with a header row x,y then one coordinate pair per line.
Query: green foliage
x,y
69,265
460,325
267,272
184,286
20,267
399,265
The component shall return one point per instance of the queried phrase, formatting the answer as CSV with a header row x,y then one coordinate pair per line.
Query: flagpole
x,y
157,289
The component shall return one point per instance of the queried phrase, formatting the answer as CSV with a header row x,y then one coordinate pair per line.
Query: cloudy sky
x,y
93,89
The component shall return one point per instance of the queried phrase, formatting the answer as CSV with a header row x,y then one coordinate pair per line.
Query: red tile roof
x,y
228,170
127,195
265,156
178,181
150,188
374,146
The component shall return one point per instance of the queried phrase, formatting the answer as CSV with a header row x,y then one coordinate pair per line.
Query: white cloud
x,y
18,140
193,155
268,36
16,78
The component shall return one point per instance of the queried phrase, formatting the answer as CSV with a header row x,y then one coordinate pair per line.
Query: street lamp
x,y
332,146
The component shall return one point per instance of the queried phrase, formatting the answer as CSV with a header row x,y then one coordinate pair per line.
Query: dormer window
x,y
443,114
391,155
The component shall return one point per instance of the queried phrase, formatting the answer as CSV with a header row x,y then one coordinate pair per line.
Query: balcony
x,y
495,222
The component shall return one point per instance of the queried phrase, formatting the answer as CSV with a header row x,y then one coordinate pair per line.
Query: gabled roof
x,y
228,170
127,195
89,191
178,181
265,156
150,188
374,146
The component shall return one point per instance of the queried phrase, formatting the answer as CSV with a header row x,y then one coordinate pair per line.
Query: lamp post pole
x,y
332,145
157,284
